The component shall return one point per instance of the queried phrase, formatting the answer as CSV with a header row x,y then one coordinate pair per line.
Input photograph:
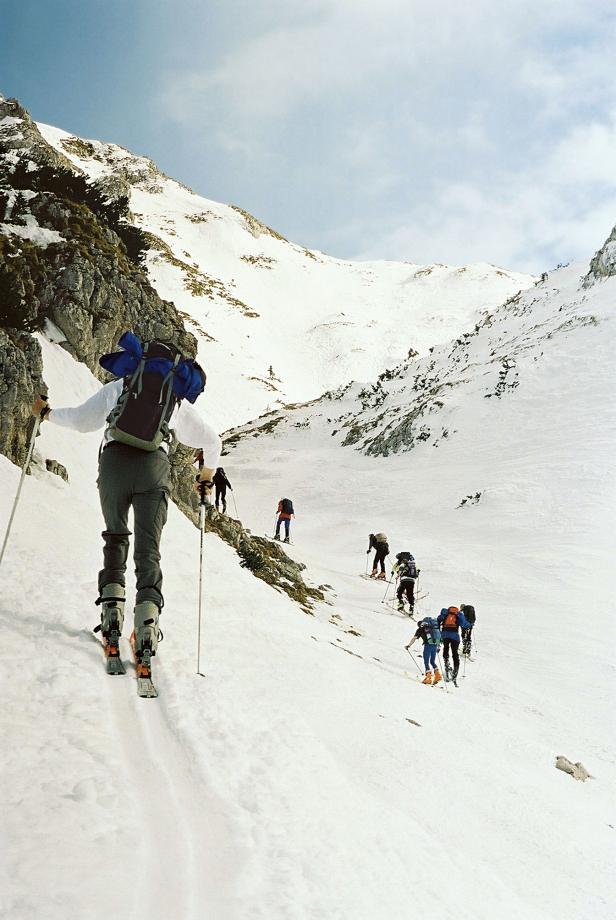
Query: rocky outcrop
x,y
74,265
603,263
21,380
576,770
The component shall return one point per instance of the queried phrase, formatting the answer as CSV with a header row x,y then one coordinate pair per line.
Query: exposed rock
x,y
603,263
576,770
21,381
90,287
55,467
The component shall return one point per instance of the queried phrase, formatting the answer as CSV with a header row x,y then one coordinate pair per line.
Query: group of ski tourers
x,y
149,400
443,630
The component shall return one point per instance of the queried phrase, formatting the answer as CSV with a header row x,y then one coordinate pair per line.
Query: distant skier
x,y
221,482
406,569
138,410
378,543
450,619
429,632
469,612
285,512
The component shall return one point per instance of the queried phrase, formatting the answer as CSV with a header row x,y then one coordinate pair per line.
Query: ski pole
x,y
367,561
202,504
387,589
37,423
414,662
235,505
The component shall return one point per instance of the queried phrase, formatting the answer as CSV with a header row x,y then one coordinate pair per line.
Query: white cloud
x,y
454,126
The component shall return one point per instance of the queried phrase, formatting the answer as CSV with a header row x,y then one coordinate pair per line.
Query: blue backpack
x,y
156,378
432,631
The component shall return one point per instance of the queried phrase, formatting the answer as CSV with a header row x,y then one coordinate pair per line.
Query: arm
x,y
92,414
191,430
414,639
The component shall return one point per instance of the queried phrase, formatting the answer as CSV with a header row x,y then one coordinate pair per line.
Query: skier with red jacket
x,y
285,512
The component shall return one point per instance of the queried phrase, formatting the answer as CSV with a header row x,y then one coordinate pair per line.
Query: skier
x,y
450,619
285,512
406,568
428,631
378,542
221,482
469,612
138,411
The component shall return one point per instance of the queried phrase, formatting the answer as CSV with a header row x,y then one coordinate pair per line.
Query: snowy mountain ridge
x,y
254,300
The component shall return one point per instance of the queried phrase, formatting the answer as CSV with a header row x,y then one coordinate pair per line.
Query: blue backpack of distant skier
x,y
432,631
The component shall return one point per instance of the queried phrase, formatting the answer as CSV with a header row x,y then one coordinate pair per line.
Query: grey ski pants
x,y
129,477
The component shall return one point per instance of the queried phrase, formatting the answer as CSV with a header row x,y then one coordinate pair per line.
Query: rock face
x,y
576,770
21,380
603,263
69,259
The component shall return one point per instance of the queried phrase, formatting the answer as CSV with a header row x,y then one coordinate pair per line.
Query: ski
x,y
111,648
145,686
115,665
146,689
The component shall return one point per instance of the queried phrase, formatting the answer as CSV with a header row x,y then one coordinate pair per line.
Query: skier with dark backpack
x,y
378,543
149,399
469,612
221,483
285,512
406,569
428,630
450,620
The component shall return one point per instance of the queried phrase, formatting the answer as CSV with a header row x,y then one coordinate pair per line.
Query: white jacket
x,y
187,424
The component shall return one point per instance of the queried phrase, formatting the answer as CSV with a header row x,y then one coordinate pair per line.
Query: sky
x,y
370,129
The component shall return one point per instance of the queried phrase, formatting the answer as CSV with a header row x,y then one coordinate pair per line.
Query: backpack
x,y
404,556
380,538
432,631
156,378
451,618
287,506
408,569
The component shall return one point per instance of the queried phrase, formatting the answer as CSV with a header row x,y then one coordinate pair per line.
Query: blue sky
x,y
405,129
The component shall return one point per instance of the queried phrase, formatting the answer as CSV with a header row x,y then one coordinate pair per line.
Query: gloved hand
x,y
367,551
41,407
203,481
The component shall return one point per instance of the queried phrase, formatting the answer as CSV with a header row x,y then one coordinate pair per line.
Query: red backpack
x,y
451,619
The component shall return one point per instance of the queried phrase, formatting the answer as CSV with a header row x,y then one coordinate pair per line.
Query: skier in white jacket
x,y
138,478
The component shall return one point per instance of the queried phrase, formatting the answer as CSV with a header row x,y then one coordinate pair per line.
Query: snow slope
x,y
309,775
253,299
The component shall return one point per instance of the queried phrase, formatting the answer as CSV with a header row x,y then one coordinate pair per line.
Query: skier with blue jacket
x,y
428,631
450,619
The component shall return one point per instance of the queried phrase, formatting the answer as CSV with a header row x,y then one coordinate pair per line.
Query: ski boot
x,y
437,676
373,573
112,619
428,678
277,537
447,671
286,540
381,576
145,636
400,606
